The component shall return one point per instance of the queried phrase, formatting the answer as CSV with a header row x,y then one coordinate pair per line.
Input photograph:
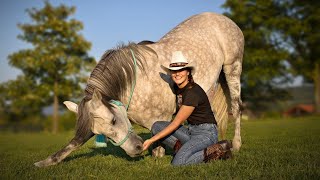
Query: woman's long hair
x,y
190,77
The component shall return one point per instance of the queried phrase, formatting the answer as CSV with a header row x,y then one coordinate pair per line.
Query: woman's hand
x,y
146,144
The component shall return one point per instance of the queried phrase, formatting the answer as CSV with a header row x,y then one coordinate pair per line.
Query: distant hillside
x,y
301,95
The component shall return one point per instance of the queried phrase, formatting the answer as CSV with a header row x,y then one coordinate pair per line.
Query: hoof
x,y
40,164
158,152
44,163
236,144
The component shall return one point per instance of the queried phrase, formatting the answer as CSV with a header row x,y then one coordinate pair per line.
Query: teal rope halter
x,y
119,103
130,129
135,76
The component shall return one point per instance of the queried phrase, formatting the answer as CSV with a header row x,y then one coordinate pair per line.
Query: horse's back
x,y
210,31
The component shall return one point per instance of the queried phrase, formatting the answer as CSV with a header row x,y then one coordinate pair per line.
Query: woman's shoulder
x,y
196,88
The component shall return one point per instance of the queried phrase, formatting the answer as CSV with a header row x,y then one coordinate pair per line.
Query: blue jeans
x,y
194,139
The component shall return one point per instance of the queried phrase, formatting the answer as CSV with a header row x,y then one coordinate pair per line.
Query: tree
x,y
297,23
20,98
56,65
263,66
288,27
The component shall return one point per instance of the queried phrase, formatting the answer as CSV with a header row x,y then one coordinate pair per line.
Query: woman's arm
x,y
183,113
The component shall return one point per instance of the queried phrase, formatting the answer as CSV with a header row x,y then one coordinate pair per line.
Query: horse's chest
x,y
153,100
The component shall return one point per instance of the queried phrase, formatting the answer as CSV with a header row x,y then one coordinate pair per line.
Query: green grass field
x,y
272,149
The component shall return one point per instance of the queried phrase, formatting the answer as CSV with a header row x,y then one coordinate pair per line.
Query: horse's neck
x,y
149,94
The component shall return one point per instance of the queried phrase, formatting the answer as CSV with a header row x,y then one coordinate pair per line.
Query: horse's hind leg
x,y
232,74
74,144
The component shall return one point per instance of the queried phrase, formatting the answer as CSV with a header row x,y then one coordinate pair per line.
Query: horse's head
x,y
110,119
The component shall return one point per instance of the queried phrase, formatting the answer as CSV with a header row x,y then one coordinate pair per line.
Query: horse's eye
x,y
113,121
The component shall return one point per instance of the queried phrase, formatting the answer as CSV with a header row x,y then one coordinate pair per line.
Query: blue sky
x,y
106,23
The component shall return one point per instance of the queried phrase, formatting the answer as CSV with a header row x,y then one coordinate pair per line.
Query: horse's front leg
x,y
74,144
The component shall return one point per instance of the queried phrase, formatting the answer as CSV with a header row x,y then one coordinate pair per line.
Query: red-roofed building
x,y
299,110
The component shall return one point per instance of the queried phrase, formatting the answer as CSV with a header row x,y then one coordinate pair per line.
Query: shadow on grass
x,y
110,150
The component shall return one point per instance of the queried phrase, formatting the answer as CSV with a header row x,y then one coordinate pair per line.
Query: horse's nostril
x,y
139,147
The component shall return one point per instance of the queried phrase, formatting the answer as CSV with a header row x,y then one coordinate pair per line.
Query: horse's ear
x,y
71,106
96,99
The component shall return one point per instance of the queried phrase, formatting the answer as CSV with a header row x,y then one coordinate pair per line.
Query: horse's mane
x,y
113,74
115,70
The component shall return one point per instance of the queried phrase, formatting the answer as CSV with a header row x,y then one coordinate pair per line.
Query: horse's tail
x,y
221,104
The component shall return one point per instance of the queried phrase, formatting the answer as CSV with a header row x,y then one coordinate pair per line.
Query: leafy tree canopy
x,y
56,65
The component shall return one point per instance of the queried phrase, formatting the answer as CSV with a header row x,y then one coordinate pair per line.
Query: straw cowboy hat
x,y
178,61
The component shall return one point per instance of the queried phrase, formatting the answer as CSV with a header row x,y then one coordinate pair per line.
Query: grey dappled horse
x,y
132,75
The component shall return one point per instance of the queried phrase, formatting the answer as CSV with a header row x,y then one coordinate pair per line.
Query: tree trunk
x,y
55,117
317,88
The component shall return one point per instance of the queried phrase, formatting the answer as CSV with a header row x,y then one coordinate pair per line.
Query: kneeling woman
x,y
196,142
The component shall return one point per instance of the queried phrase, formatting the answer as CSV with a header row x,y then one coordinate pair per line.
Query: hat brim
x,y
179,68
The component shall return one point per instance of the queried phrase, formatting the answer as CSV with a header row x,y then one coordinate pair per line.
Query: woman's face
x,y
180,77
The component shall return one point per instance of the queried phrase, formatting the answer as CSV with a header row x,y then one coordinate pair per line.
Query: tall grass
x,y
272,149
